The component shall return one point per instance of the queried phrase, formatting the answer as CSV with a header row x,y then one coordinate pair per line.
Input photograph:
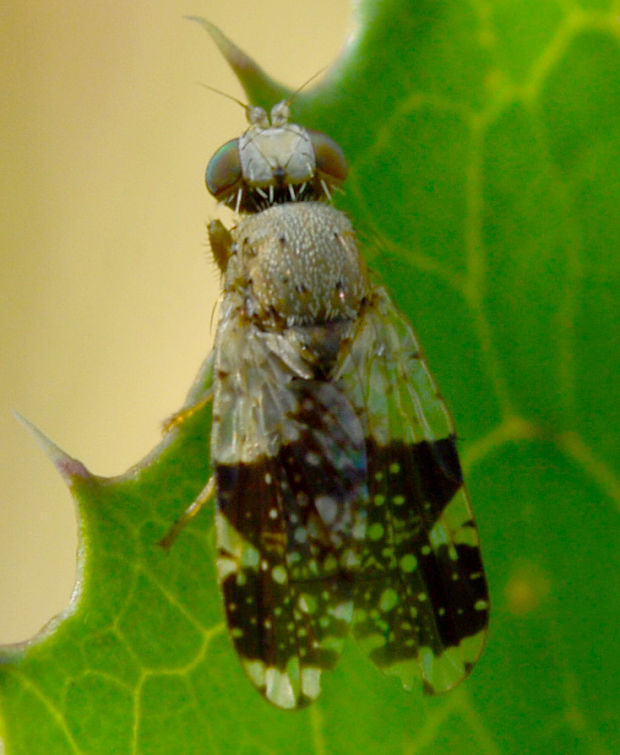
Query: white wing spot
x,y
278,574
307,603
408,563
388,599
300,535
311,682
278,687
327,508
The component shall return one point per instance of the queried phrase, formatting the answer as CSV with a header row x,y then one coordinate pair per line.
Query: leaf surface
x,y
484,144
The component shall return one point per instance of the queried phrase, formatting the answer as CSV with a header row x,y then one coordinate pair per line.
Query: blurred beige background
x,y
106,290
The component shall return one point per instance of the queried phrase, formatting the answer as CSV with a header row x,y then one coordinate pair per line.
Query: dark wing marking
x,y
289,523
421,600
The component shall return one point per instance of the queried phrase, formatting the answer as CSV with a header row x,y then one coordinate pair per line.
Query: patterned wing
x,y
290,468
421,600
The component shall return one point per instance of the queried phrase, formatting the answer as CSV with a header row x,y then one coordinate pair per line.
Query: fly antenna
x,y
228,96
290,99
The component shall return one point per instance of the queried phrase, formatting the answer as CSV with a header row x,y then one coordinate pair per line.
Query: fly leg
x,y
203,497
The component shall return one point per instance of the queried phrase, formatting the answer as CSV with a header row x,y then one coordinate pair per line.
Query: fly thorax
x,y
300,266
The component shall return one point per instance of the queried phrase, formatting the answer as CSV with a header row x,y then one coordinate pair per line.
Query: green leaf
x,y
484,143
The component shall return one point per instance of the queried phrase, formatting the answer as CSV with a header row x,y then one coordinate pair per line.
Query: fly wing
x,y
290,469
421,600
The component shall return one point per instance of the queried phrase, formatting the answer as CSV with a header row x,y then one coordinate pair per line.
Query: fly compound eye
x,y
330,160
224,170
